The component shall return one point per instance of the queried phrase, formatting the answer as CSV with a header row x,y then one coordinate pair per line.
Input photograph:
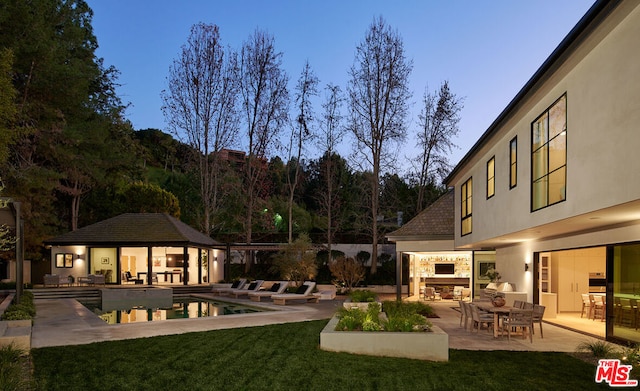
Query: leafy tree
x,y
265,99
297,261
438,122
201,106
8,108
378,96
148,198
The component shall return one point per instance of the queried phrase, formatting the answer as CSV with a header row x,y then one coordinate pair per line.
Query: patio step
x,y
66,293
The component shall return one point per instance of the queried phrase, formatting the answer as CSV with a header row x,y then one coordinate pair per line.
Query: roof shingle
x,y
136,229
435,222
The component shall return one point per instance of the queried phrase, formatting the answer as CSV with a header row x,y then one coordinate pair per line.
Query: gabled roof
x,y
136,229
436,222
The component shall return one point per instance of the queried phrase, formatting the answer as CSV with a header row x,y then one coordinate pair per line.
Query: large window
x,y
549,156
466,192
491,177
513,163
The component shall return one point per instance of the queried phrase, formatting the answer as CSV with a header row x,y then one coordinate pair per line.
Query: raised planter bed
x,y
432,346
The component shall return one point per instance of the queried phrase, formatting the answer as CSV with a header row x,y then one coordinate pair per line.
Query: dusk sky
x,y
486,49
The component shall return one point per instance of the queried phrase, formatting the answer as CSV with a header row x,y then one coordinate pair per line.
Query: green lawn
x,y
287,357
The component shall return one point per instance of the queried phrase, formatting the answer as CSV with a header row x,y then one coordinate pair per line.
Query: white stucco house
x,y
551,185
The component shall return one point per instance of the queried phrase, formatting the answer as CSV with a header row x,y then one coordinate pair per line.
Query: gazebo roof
x,y
435,222
136,229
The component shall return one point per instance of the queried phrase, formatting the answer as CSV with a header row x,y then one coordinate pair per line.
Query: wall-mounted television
x,y
444,268
175,260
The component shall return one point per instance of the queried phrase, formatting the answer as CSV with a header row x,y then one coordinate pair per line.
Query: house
x,y
550,186
139,245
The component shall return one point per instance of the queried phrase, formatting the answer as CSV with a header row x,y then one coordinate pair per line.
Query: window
x,y
491,177
466,191
549,156
513,163
64,260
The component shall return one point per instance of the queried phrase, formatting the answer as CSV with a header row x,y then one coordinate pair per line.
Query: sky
x,y
486,49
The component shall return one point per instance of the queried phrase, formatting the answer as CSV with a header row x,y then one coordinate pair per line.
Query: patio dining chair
x,y
518,304
538,314
586,305
518,318
480,318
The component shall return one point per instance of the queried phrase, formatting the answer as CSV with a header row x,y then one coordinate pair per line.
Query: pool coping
x,y
61,322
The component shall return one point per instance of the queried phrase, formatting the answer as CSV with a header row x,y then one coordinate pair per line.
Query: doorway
x,y
568,280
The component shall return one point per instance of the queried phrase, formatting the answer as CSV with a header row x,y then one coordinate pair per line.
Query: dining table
x,y
496,311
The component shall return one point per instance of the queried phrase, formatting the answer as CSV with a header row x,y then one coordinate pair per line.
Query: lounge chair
x,y
276,289
245,290
304,292
225,289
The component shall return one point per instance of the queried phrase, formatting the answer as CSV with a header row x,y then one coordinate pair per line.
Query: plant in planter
x,y
363,296
398,316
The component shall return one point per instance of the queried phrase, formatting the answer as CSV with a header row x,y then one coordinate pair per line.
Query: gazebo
x,y
138,248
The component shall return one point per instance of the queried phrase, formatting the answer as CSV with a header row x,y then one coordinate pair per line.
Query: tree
x,y
306,89
331,133
378,96
201,107
438,121
8,109
265,100
297,261
148,198
347,271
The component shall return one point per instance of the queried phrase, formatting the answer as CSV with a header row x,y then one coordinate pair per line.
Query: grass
x,y
287,357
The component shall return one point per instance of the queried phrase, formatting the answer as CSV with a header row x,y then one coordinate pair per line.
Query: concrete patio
x,y
62,322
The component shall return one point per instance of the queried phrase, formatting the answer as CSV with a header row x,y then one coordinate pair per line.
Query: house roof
x,y
136,229
436,222
594,16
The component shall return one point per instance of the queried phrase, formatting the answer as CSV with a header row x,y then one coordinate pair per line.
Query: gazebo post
x,y
149,265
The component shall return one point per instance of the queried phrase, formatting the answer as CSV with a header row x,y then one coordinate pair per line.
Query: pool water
x,y
182,308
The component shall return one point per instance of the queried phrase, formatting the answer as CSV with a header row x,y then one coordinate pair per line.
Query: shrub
x,y
362,296
11,369
347,272
631,356
26,309
402,317
599,349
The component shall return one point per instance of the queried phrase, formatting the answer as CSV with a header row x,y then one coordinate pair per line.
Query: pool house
x,y
137,248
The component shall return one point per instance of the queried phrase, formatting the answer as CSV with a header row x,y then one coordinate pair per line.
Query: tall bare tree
x,y
306,89
265,101
329,137
438,121
201,107
378,96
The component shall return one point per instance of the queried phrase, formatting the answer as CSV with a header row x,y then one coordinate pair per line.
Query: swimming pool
x,y
181,308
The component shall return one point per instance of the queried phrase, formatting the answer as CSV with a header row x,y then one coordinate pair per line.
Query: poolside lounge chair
x,y
303,293
245,290
236,285
276,289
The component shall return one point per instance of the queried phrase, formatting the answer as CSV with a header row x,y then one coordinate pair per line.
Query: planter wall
x,y
432,346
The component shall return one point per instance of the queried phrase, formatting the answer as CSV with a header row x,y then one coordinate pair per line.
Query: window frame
x,y
541,157
491,177
513,162
466,206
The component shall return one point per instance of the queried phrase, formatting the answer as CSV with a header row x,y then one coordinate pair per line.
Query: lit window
x,y
466,192
491,177
549,156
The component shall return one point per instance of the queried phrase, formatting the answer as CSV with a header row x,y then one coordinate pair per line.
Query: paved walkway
x,y
62,322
